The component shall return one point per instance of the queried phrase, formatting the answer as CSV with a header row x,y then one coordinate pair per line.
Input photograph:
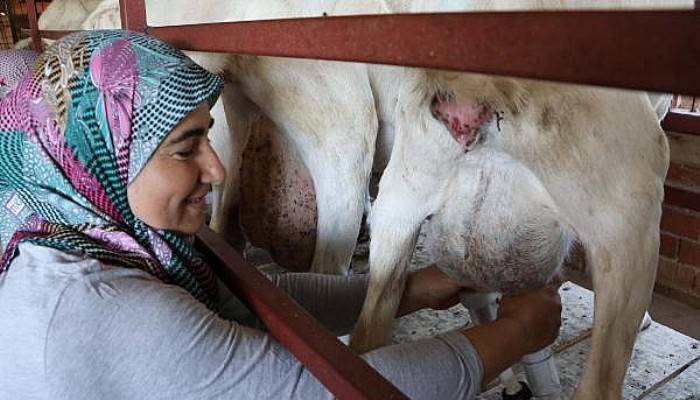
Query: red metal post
x,y
334,364
133,15
34,26
650,50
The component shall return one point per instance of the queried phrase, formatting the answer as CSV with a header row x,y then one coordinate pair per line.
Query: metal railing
x,y
684,115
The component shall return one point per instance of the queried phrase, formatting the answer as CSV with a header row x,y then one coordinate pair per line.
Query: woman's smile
x,y
197,201
169,193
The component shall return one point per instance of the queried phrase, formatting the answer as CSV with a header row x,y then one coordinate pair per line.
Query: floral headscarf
x,y
77,131
14,65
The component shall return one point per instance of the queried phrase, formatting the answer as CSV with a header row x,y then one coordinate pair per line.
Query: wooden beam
x,y
133,15
11,17
334,364
34,26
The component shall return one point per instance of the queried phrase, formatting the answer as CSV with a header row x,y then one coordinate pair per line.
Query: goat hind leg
x,y
623,285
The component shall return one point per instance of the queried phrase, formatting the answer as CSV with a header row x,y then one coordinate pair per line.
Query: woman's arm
x,y
134,337
526,322
336,301
428,288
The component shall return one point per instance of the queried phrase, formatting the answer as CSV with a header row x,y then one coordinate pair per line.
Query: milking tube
x,y
539,366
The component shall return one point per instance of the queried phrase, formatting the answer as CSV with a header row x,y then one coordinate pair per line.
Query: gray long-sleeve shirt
x,y
74,328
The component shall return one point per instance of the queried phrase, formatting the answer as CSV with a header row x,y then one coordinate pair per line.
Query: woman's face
x,y
169,191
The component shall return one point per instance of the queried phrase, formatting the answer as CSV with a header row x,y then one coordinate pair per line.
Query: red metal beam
x,y
609,48
334,364
34,26
133,15
682,122
651,50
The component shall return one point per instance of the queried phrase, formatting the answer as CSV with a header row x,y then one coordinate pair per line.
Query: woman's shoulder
x,y
85,286
28,252
35,259
36,265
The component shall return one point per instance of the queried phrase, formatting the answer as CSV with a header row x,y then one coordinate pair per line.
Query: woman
x,y
14,64
104,165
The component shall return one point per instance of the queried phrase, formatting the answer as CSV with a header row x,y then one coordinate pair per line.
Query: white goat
x,y
525,168
555,163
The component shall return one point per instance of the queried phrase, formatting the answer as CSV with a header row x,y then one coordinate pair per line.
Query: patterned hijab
x,y
77,131
14,65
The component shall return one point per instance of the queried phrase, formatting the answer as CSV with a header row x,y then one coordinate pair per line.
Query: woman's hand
x,y
428,288
537,313
526,323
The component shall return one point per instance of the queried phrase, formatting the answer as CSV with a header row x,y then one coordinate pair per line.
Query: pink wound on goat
x,y
463,120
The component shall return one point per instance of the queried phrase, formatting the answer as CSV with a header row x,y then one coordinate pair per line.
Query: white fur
x,y
66,15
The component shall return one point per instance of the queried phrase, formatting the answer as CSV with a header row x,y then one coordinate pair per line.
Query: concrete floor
x,y
664,364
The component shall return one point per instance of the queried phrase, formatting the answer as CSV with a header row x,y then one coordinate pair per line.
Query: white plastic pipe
x,y
542,374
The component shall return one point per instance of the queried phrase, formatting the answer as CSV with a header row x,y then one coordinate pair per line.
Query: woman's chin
x,y
193,227
190,224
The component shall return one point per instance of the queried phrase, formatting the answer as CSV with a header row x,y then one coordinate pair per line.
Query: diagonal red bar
x,y
651,50
334,364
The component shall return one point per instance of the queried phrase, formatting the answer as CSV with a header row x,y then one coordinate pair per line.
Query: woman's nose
x,y
213,171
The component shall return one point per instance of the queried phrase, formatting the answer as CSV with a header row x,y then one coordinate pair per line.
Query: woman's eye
x,y
184,153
